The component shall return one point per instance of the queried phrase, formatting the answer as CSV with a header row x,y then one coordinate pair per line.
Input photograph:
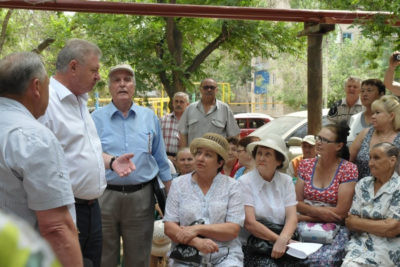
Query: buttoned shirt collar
x,y
63,92
261,182
200,106
114,110
358,102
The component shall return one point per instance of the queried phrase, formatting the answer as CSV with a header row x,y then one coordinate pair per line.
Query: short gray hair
x,y
182,94
390,151
352,78
17,70
77,49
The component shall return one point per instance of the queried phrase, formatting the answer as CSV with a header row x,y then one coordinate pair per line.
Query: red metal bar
x,y
198,11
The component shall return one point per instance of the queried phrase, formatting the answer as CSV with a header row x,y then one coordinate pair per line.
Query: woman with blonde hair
x,y
385,122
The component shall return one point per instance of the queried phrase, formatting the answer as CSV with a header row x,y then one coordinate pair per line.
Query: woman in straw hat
x,y
270,200
206,195
324,191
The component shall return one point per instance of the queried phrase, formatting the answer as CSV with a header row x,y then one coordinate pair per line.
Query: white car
x,y
291,127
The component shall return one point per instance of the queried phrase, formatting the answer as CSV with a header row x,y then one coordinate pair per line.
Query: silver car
x,y
291,127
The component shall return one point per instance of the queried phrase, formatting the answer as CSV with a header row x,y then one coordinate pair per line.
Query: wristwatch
x,y
111,162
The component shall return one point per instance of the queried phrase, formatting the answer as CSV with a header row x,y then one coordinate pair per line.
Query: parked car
x,y
248,122
292,127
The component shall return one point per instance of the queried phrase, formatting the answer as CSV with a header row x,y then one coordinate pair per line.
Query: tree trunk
x,y
4,28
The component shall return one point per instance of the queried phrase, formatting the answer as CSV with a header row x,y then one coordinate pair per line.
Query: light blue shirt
x,y
139,133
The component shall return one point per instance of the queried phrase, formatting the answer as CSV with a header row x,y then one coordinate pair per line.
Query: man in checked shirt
x,y
169,123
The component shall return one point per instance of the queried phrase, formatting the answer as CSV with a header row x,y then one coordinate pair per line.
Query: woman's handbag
x,y
186,253
263,247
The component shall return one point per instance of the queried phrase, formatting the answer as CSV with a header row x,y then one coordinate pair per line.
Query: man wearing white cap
x,y
127,205
308,148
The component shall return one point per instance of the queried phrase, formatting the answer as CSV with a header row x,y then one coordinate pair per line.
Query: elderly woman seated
x,y
204,209
374,217
270,204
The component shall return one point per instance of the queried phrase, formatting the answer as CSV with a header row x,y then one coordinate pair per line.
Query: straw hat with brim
x,y
309,139
272,141
161,243
126,67
212,141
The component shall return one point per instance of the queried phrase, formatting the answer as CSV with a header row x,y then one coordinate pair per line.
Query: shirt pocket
x,y
217,126
193,126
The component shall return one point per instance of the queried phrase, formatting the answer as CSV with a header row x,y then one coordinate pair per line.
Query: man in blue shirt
x,y
127,205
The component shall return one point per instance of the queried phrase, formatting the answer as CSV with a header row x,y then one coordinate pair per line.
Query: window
x,y
347,35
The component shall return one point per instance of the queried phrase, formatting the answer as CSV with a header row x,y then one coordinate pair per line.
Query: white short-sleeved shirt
x,y
269,199
67,116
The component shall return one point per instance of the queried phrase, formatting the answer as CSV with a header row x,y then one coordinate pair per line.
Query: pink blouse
x,y
346,172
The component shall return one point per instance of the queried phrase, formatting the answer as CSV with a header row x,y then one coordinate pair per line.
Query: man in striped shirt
x,y
169,123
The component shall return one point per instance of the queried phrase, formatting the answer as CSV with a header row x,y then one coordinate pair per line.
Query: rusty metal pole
x,y
314,82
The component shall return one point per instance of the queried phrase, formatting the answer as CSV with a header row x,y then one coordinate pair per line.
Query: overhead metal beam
x,y
196,11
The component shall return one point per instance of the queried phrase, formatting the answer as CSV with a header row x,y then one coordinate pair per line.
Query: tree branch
x,y
222,37
4,28
43,45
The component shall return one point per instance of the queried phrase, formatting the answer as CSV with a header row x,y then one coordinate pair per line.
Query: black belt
x,y
85,201
127,188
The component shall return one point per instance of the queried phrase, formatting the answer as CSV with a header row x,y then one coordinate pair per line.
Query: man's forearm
x,y
65,244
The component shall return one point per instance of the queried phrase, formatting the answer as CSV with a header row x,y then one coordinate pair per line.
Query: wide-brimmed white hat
x,y
272,141
212,141
309,139
126,67
161,243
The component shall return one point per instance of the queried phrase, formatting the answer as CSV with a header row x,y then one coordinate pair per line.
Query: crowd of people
x,y
85,181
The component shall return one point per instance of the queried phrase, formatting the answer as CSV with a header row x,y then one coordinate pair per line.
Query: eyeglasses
x,y
217,258
323,140
206,87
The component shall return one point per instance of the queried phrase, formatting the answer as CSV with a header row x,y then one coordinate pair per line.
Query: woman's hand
x,y
186,234
279,247
206,245
327,215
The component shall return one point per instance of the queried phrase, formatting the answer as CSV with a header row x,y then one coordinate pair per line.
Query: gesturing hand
x,y
123,165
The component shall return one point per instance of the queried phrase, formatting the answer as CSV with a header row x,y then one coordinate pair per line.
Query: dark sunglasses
x,y
206,87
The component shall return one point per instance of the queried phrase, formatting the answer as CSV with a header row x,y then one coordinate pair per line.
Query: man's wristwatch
x,y
111,162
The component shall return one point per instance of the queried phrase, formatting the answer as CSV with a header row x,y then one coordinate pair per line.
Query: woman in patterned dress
x,y
385,122
325,189
211,196
374,217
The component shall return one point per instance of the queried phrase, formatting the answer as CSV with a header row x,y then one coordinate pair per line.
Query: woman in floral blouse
x,y
374,217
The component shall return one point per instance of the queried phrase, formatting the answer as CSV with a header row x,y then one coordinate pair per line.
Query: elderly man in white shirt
x,y
77,71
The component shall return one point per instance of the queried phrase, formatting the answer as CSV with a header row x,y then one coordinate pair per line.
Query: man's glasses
x,y
206,87
323,140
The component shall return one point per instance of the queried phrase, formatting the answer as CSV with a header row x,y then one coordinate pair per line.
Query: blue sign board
x,y
261,81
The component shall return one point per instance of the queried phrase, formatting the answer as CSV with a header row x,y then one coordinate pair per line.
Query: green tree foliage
x,y
172,53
